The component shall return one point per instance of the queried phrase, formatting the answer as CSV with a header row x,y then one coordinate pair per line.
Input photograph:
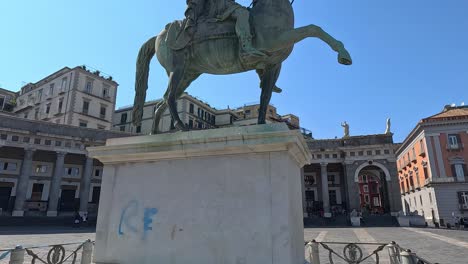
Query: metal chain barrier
x,y
57,254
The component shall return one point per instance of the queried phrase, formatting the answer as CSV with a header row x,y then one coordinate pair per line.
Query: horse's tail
x,y
147,52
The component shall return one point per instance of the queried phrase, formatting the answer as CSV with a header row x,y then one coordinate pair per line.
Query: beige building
x,y
45,168
7,101
195,113
76,97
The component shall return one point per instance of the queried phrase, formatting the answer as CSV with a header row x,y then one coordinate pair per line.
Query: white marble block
x,y
230,196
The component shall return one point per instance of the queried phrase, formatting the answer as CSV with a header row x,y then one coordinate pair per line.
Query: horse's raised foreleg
x,y
289,38
268,82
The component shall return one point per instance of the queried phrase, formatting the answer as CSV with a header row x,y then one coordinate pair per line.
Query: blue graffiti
x,y
148,220
130,212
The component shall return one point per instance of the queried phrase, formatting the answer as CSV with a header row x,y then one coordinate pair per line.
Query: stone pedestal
x,y
228,196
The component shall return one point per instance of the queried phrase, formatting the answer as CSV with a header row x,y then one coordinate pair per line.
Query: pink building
x,y
432,167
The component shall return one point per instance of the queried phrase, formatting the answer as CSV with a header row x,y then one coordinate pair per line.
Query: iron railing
x,y
70,253
356,253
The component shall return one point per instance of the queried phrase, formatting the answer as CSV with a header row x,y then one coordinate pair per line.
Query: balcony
x,y
455,147
422,153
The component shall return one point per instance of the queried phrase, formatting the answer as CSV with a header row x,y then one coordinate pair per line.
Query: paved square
x,y
436,245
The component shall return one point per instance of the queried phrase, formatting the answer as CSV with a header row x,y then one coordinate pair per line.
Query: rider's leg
x,y
241,15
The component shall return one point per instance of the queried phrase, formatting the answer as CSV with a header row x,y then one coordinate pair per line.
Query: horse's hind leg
x,y
178,82
269,77
160,108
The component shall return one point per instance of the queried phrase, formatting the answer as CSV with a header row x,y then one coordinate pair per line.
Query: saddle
x,y
177,38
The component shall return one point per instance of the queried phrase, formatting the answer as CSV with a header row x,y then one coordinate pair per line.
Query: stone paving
x,y
437,245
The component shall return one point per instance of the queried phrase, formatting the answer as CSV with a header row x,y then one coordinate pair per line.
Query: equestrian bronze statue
x,y
222,37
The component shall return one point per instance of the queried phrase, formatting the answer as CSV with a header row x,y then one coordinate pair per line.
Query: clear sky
x,y
410,57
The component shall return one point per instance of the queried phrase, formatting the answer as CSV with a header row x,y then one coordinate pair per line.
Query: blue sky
x,y
410,57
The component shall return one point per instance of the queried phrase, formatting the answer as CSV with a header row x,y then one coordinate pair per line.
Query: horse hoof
x,y
344,58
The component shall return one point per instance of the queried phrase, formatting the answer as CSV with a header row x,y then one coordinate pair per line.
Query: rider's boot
x,y
247,50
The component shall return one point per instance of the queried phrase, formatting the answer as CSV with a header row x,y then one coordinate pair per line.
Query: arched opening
x,y
373,192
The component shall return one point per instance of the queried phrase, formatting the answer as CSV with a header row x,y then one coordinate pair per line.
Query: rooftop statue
x,y
345,126
389,127
222,37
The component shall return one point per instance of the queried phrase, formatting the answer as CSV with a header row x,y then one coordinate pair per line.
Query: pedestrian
x,y
76,221
84,219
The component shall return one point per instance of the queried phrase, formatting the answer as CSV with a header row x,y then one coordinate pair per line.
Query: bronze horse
x,y
272,22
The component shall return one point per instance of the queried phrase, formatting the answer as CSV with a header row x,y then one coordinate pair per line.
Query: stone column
x,y
85,185
304,206
23,182
55,185
325,195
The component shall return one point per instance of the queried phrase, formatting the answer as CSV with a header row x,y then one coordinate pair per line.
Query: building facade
x,y
197,114
45,168
76,97
7,100
432,167
353,173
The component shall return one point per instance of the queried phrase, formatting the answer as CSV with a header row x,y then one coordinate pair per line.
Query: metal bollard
x,y
314,252
87,252
407,257
17,255
393,253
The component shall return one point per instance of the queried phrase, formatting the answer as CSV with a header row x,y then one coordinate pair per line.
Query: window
x,y
369,153
60,104
102,113
376,201
96,194
41,168
199,125
72,171
364,178
361,153
10,166
138,129
327,156
83,124
386,151
374,188
453,141
26,139
39,95
85,107
36,194
191,108
123,119
48,142
310,195
366,199
97,172
36,113
331,178
463,200
190,123
105,91
365,188
247,112
51,89
335,156
37,141
378,152
63,88
199,112
352,154
15,138
3,136
58,143
25,115
101,127
47,109
332,196
122,128
459,171
89,86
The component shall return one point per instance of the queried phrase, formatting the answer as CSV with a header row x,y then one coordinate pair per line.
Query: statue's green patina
x,y
215,38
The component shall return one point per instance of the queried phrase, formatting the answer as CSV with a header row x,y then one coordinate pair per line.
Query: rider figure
x,y
223,9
